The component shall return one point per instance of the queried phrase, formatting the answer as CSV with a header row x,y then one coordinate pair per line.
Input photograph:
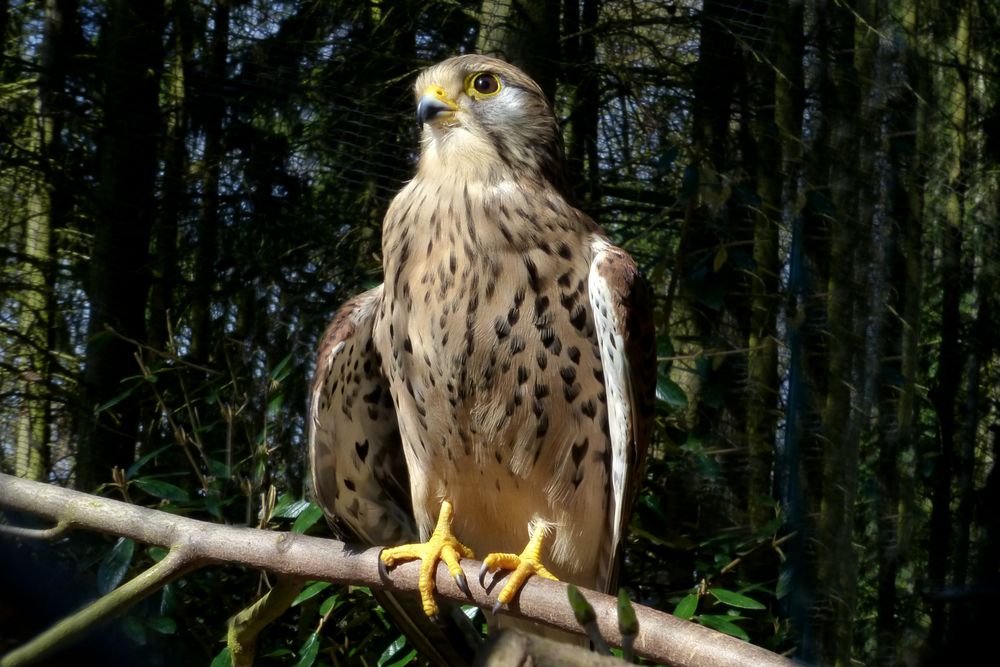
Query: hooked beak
x,y
435,106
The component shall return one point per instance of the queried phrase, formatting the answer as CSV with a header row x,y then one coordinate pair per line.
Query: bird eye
x,y
484,84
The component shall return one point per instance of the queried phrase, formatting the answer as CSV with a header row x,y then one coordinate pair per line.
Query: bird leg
x,y
442,545
529,562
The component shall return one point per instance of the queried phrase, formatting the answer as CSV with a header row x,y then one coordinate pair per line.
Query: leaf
x,y
686,607
723,624
218,469
308,651
669,391
161,489
648,500
735,599
157,553
289,507
274,405
115,401
390,652
307,518
134,629
721,256
329,604
312,590
784,586
114,565
168,600
212,504
405,660
162,624
281,369
143,460
664,346
223,659
278,653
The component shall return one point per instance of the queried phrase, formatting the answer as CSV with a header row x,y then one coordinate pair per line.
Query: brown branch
x,y
36,533
662,637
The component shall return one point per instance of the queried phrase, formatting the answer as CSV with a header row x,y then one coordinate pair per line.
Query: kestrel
x,y
498,387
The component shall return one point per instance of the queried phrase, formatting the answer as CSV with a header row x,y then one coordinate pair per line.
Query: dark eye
x,y
486,83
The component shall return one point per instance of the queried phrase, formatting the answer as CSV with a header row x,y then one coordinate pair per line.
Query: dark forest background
x,y
189,188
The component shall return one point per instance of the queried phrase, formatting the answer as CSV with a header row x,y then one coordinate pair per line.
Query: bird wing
x,y
623,318
359,473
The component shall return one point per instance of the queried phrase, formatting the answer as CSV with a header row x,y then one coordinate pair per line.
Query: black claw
x,y
497,606
383,570
463,584
482,574
434,618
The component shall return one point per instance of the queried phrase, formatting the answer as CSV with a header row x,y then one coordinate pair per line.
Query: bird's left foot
x,y
529,562
442,545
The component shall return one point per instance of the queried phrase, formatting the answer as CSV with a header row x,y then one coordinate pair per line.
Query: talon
x,y
497,606
522,566
383,569
461,582
483,569
442,545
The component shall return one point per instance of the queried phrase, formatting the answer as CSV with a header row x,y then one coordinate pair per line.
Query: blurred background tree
x,y
188,189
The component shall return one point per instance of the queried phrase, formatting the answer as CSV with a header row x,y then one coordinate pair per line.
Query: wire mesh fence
x,y
810,188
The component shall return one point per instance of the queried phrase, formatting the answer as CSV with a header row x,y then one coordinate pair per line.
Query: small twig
x,y
180,435
248,623
37,533
160,353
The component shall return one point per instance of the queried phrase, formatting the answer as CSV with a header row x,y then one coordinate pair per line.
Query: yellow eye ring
x,y
482,84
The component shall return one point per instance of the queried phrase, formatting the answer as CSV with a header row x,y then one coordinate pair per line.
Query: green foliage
x,y
115,565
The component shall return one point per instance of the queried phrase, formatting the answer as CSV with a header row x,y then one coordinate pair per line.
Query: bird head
x,y
484,117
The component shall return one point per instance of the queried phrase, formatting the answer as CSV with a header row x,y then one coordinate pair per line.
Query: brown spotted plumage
x,y
508,357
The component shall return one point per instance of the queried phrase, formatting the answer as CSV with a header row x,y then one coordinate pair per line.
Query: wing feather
x,y
359,476
623,318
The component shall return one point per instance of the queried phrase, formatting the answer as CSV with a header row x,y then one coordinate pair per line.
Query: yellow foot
x,y
442,545
523,566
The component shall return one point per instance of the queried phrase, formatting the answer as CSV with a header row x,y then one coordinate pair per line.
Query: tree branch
x,y
662,637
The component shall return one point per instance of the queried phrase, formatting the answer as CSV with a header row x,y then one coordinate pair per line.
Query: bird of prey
x,y
497,388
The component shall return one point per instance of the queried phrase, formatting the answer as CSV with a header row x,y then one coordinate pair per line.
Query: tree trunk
x,y
48,207
950,350
119,266
522,32
206,252
776,175
789,470
166,273
582,88
831,237
31,455
901,362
